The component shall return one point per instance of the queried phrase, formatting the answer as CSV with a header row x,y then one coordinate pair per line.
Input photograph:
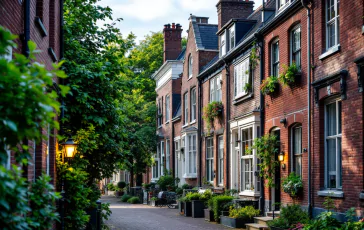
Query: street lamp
x,y
69,149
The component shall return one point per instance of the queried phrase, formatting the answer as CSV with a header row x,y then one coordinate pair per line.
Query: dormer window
x,y
232,37
222,45
283,4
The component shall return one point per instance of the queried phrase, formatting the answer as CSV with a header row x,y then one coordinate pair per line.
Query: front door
x,y
276,190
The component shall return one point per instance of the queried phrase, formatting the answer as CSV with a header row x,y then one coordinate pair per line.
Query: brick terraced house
x,y
317,116
39,21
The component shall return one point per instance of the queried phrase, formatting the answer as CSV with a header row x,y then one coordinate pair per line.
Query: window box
x,y
198,207
209,215
188,209
235,222
330,51
331,193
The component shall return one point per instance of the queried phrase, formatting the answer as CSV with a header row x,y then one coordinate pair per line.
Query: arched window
x,y
190,62
296,132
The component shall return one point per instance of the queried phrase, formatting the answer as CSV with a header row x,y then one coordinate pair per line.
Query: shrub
x,y
134,200
179,191
191,196
290,216
269,85
186,186
247,212
218,203
292,184
111,187
121,184
165,181
125,197
206,195
324,220
154,199
288,75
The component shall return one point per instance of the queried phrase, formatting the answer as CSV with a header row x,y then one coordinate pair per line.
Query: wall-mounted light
x,y
281,159
283,121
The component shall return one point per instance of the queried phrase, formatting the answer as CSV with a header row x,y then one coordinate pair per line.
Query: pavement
x,y
139,217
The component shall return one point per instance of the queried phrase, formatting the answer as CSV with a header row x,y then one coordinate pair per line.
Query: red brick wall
x,y
352,46
290,102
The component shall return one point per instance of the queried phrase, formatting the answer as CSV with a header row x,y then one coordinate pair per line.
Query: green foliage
x,y
218,202
13,199
134,200
212,111
292,184
125,197
247,87
192,196
121,184
290,217
352,224
110,187
269,85
28,100
254,57
266,148
166,181
179,191
206,195
105,212
42,199
210,203
329,203
287,77
231,192
246,213
324,220
154,199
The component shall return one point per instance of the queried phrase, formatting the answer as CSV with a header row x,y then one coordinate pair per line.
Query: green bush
x,y
247,212
121,184
179,191
292,184
186,186
134,200
165,181
290,216
125,197
324,220
111,187
218,202
191,196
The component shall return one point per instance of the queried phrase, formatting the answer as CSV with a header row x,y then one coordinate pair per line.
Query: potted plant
x,y
239,217
121,185
199,203
292,185
269,85
218,203
154,201
211,111
208,212
291,217
289,75
247,87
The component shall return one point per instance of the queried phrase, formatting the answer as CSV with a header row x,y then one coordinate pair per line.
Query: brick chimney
x,y
172,41
228,9
199,19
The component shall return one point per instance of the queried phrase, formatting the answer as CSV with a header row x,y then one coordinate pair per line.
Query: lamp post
x,y
68,151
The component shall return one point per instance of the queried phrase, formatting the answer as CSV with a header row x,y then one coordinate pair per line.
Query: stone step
x,y
276,214
262,220
256,227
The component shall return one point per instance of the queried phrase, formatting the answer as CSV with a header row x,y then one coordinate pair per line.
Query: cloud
x,y
197,5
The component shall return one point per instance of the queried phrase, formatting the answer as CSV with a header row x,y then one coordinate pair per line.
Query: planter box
x,y
188,208
209,215
197,209
154,203
225,213
181,207
234,222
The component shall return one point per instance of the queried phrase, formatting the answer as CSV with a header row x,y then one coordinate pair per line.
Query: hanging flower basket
x,y
270,85
211,111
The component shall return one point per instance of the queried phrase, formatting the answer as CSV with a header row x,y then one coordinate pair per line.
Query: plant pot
x,y
235,222
197,208
225,213
188,208
154,203
181,207
209,215
297,80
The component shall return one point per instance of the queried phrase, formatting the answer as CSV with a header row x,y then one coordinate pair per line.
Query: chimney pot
x,y
173,25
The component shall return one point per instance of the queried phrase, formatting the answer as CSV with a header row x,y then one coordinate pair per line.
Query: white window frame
x,y
275,63
334,21
338,154
160,113
190,66
223,44
295,155
168,104
191,156
282,4
168,154
241,77
210,159
156,166
193,104
216,88
220,157
297,51
232,36
185,102
162,166
246,157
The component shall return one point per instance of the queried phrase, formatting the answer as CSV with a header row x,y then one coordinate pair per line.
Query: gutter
x,y
309,194
199,132
227,123
26,27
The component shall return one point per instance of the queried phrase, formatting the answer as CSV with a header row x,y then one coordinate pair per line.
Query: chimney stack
x,y
229,9
172,41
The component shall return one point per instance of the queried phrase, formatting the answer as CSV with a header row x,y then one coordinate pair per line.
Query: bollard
x,y
99,218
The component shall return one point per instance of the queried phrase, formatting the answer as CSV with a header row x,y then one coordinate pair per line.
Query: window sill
x,y
185,125
331,193
154,179
331,51
189,78
240,99
167,122
248,193
159,127
190,176
192,122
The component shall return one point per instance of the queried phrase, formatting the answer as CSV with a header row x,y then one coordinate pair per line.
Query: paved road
x,y
139,217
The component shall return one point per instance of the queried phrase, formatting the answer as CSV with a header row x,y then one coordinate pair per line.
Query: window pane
x,y
340,162
339,117
331,162
331,119
248,174
246,140
297,140
298,165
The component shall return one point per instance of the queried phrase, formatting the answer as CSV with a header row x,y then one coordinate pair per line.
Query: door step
x,y
256,227
276,214
263,220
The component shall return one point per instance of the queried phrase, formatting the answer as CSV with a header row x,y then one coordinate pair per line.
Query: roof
x,y
205,36
213,61
181,56
178,112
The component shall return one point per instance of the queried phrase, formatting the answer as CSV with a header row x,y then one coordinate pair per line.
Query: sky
x,y
144,16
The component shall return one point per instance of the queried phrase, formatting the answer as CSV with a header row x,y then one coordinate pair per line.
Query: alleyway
x,y
139,217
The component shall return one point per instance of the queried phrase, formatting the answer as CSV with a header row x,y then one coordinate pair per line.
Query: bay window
x,y
241,78
209,160
191,157
333,135
221,160
332,23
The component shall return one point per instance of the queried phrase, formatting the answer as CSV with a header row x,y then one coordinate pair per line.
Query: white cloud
x,y
197,5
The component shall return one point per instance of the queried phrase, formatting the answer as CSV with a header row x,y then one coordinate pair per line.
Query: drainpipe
x,y
199,132
227,124
173,151
61,30
26,27
309,195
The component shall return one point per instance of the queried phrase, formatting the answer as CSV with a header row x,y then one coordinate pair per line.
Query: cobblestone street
x,y
138,217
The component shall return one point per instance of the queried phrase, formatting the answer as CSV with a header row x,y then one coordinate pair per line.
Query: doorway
x,y
276,190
